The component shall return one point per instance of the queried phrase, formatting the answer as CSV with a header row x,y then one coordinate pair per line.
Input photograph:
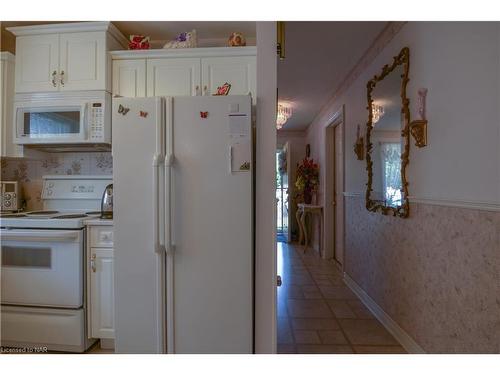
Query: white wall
x,y
436,273
459,64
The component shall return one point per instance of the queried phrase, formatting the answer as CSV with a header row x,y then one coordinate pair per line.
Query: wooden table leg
x,y
304,228
321,228
301,234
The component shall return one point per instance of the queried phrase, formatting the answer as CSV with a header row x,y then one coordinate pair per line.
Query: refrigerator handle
x,y
168,194
230,158
156,203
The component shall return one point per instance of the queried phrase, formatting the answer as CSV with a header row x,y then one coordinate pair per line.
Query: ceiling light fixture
x,y
283,114
377,113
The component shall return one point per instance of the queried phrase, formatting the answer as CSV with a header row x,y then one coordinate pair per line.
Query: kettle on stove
x,y
107,203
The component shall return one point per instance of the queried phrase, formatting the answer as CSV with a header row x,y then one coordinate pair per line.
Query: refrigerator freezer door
x,y
211,227
138,152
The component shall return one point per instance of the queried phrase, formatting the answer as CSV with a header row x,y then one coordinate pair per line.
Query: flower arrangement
x,y
307,180
138,42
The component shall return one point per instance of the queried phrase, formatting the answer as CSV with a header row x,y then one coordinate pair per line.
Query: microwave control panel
x,y
97,121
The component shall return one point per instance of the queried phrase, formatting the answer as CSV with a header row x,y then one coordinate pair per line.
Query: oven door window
x,y
51,122
26,257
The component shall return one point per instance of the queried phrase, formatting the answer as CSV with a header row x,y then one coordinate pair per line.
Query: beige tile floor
x,y
318,313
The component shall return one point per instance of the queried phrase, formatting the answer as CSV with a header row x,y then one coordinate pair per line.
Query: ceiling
x,y
210,33
319,55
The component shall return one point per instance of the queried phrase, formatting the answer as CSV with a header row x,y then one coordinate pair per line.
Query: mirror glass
x,y
387,136
387,141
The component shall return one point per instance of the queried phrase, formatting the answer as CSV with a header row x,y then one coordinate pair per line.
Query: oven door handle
x,y
38,236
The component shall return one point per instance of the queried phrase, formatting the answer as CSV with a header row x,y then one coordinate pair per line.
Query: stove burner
x,y
93,213
70,216
42,213
12,215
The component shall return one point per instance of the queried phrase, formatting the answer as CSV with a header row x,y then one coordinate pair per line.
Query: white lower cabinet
x,y
101,282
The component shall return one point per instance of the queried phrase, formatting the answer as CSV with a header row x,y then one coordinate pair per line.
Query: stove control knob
x,y
49,192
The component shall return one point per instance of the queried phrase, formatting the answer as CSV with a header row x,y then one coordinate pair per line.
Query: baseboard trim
x,y
399,334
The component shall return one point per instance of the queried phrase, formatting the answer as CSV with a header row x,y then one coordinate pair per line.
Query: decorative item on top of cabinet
x,y
359,146
183,40
65,57
236,39
139,42
418,128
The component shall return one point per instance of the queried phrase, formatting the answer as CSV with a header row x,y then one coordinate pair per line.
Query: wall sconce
x,y
359,146
283,113
377,113
418,128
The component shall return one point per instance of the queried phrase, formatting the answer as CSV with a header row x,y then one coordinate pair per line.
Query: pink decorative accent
x,y
422,93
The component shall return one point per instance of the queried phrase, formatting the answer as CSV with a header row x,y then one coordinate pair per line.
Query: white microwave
x,y
82,117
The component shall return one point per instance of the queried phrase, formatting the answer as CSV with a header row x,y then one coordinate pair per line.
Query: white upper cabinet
x,y
82,61
184,72
129,78
7,146
65,57
238,71
173,77
37,63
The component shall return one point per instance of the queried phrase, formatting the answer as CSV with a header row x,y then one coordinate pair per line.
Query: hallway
x,y
318,313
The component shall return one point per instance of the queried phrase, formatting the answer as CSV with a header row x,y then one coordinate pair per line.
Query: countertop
x,y
97,221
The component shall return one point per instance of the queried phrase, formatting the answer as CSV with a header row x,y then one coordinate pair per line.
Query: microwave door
x,y
62,124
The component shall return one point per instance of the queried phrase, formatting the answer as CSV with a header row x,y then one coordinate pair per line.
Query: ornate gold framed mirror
x,y
388,138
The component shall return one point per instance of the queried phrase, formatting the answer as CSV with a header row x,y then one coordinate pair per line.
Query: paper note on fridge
x,y
239,126
241,156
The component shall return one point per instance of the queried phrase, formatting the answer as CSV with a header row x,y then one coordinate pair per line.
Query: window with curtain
x,y
391,172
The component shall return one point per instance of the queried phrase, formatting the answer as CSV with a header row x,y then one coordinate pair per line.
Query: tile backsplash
x,y
29,172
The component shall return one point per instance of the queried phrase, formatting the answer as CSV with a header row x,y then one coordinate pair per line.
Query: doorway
x,y
283,226
334,189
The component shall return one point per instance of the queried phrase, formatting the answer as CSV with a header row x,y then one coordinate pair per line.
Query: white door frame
x,y
338,119
265,338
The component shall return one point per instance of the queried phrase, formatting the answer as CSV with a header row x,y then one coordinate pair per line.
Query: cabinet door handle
x,y
197,90
92,263
205,90
54,73
62,78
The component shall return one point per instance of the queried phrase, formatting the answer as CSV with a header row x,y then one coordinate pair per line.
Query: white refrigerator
x,y
183,224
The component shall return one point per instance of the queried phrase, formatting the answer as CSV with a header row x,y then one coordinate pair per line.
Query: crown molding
x,y
72,27
184,52
7,56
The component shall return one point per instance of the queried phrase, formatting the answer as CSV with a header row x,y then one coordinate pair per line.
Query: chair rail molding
x,y
458,203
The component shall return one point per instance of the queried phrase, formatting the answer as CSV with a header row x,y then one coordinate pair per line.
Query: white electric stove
x,y
43,266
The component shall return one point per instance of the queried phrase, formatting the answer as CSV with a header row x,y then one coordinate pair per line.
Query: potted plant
x,y
307,180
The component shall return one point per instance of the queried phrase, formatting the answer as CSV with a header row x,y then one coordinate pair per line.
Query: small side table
x,y
302,211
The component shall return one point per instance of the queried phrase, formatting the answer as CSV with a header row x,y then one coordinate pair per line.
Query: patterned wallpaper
x,y
29,172
437,273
